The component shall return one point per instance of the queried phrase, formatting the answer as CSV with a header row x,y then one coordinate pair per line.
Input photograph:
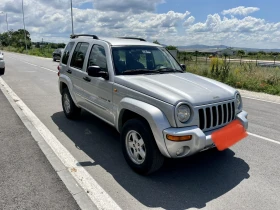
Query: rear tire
x,y
2,71
71,111
139,147
54,59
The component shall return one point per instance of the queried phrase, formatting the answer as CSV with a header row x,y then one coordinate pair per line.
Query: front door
x,y
98,91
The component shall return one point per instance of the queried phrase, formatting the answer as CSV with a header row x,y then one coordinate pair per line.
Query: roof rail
x,y
74,36
140,39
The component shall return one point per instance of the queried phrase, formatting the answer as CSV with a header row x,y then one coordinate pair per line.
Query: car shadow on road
x,y
180,184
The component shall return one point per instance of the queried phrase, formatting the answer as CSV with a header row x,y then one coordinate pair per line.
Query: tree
x,y
156,42
261,53
241,53
171,47
60,45
37,45
253,53
16,38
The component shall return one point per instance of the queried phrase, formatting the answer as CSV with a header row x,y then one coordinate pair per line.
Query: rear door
x,y
76,69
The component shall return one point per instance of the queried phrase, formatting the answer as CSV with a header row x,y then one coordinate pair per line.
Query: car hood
x,y
176,87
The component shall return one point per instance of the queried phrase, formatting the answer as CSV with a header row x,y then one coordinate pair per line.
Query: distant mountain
x,y
200,47
256,49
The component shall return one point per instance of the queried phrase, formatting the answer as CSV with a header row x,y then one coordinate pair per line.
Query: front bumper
x,y
200,140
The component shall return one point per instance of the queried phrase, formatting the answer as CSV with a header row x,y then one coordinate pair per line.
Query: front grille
x,y
213,116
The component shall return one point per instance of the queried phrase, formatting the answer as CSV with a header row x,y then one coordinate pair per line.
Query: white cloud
x,y
248,32
51,20
240,11
214,23
136,6
189,21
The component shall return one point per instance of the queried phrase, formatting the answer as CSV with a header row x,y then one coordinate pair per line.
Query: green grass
x,y
45,52
246,76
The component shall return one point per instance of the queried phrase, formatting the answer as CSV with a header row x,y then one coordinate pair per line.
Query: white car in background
x,y
2,63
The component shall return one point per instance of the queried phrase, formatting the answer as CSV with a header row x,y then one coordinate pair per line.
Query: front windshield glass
x,y
143,59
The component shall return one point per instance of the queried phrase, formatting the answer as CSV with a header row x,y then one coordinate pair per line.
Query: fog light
x,y
179,138
180,151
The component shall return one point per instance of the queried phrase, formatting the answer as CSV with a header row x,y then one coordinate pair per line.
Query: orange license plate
x,y
229,135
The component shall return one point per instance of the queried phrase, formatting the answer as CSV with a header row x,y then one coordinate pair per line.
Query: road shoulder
x,y
31,173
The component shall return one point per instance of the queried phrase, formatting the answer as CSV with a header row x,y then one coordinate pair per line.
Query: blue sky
x,y
269,9
240,23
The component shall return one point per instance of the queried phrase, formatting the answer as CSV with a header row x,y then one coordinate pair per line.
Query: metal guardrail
x,y
268,64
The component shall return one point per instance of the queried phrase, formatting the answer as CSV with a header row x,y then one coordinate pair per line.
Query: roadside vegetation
x,y
239,55
240,70
244,75
14,41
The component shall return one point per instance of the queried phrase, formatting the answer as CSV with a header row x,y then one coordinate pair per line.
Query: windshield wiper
x,y
163,70
146,71
137,71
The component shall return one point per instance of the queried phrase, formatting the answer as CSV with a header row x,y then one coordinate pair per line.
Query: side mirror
x,y
183,66
95,71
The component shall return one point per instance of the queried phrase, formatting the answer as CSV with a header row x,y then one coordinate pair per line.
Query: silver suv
x,y
141,90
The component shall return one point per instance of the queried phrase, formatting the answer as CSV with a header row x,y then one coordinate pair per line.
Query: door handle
x,y
69,71
87,79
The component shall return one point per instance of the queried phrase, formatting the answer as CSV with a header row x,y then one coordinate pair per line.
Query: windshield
x,y
143,59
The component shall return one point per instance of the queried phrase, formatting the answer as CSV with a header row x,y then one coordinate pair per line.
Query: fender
x,y
66,80
154,116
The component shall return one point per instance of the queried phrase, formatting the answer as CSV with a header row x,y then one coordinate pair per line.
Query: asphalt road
x,y
26,176
243,177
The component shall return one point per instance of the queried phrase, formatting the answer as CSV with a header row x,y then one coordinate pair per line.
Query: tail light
x,y
58,68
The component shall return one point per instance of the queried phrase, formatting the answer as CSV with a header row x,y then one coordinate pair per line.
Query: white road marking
x,y
36,65
257,99
28,63
48,69
96,193
264,138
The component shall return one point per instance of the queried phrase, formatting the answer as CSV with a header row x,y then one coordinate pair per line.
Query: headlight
x,y
183,113
238,102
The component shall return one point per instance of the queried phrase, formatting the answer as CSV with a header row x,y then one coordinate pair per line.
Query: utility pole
x,y
7,25
7,22
24,27
8,31
72,18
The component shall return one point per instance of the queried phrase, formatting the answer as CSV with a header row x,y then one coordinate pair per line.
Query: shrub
x,y
245,75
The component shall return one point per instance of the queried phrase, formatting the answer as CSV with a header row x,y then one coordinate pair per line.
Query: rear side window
x,y
66,52
79,55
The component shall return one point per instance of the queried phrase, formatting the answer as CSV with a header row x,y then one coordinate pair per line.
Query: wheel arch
x,y
65,82
131,108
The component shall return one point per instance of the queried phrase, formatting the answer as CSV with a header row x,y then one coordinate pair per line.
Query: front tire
x,y
139,147
71,111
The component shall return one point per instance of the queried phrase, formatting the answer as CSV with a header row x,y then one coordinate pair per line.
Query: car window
x,y
67,52
98,57
142,57
79,55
